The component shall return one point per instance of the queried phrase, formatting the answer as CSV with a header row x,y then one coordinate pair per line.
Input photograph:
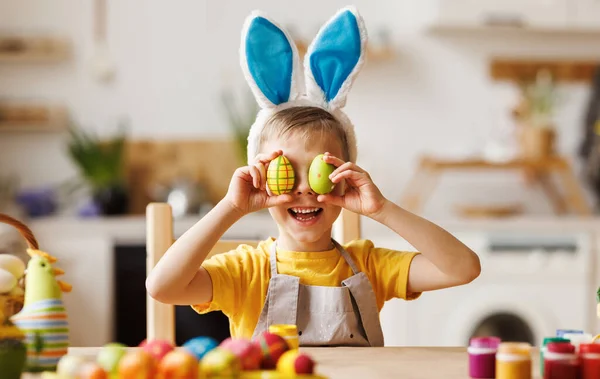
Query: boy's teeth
x,y
310,210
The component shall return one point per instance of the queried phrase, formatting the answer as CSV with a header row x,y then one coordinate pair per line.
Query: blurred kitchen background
x,y
481,115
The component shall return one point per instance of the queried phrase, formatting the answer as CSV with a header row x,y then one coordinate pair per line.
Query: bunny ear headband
x,y
271,65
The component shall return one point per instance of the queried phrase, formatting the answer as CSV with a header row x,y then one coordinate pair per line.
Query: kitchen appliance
x,y
531,284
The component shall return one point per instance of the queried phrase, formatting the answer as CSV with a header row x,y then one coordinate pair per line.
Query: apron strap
x,y
283,300
273,259
282,297
364,296
347,257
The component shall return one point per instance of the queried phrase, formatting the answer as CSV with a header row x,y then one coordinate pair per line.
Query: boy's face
x,y
304,220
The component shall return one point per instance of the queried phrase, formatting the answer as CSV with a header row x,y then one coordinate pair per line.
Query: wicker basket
x,y
11,304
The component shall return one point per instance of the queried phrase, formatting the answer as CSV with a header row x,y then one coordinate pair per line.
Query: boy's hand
x,y
361,196
247,191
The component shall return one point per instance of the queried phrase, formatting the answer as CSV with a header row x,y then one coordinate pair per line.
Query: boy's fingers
x,y
266,158
331,159
262,173
278,200
254,171
348,174
331,199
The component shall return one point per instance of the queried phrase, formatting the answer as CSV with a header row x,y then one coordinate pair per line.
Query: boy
x,y
333,293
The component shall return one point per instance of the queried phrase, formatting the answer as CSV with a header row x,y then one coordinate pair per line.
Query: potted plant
x,y
100,162
534,115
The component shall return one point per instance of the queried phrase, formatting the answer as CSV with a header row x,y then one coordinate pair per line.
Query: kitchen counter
x,y
132,229
375,363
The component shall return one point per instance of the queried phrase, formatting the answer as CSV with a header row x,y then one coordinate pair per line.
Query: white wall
x,y
173,57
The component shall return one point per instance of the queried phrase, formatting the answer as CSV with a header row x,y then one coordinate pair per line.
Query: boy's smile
x,y
305,215
304,223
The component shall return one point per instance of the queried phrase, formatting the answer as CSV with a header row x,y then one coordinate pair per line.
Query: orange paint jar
x,y
513,361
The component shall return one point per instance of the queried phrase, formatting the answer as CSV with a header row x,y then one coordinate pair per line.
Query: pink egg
x,y
157,348
249,354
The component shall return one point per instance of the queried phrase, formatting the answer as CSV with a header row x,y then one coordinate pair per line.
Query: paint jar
x,y
561,361
562,332
513,360
577,339
548,340
589,354
287,332
482,357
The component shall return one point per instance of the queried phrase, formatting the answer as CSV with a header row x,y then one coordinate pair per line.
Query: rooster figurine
x,y
43,318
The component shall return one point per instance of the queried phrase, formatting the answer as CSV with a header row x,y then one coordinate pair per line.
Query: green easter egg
x,y
318,175
109,356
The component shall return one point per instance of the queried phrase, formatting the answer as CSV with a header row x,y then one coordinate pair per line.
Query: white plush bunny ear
x,y
335,57
269,60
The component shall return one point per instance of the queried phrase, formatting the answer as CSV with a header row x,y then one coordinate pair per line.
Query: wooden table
x,y
375,363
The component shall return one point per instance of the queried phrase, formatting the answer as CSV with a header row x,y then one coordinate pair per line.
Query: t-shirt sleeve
x,y
226,273
389,270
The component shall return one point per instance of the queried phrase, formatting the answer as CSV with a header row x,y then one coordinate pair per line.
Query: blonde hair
x,y
312,123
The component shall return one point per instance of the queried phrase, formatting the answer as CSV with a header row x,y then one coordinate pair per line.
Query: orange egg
x,y
137,364
178,364
92,370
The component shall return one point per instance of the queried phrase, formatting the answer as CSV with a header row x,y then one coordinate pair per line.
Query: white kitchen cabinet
x,y
541,14
585,14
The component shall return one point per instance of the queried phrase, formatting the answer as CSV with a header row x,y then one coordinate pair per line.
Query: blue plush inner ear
x,y
270,60
335,54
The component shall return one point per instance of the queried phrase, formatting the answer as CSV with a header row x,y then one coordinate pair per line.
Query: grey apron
x,y
331,316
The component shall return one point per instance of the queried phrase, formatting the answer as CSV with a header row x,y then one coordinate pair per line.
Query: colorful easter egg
x,y
12,264
318,175
199,346
109,356
157,348
52,375
249,354
92,370
70,365
178,364
137,364
272,347
220,363
293,362
280,176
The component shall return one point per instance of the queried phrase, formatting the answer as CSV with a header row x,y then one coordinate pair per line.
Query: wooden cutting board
x,y
149,162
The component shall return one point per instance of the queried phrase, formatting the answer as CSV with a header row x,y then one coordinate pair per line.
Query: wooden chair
x,y
160,318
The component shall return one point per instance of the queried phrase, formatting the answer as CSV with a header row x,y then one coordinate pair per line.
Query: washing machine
x,y
531,284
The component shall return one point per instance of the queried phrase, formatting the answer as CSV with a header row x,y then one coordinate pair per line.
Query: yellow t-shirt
x,y
240,278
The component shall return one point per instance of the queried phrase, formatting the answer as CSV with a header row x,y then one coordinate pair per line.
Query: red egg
x,y
272,347
178,364
157,348
293,362
249,354
137,364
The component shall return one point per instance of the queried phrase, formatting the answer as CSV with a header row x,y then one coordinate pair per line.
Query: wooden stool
x,y
536,172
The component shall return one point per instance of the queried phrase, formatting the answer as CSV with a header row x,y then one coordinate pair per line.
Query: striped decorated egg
x,y
280,176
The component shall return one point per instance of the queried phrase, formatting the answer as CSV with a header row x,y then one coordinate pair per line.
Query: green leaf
x,y
99,161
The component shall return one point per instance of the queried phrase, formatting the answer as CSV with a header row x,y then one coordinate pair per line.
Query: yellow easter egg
x,y
280,176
